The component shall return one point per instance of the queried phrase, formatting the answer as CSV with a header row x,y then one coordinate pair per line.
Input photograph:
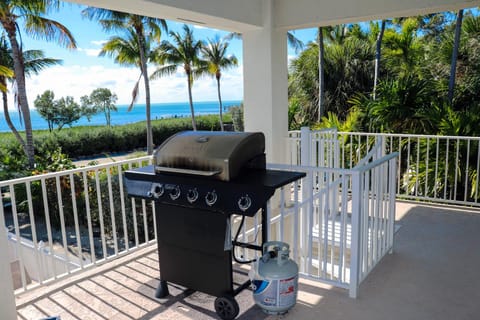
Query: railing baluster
x,y
89,218
33,227
343,230
295,221
122,205
112,211
46,209
100,215
417,167
19,246
135,224
466,171
454,196
282,214
477,183
445,185
425,192
399,173
62,224
145,224
75,219
407,182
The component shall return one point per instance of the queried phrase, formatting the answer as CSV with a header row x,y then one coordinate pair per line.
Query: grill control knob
x,y
192,195
211,198
244,203
175,193
156,191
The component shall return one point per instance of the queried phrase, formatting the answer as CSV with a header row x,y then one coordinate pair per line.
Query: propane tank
x,y
275,279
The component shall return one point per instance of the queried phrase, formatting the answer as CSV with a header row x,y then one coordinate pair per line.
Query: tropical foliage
x,y
32,14
101,100
133,48
62,112
184,50
417,75
394,74
216,59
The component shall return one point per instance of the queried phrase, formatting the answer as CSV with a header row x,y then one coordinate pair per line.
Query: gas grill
x,y
198,180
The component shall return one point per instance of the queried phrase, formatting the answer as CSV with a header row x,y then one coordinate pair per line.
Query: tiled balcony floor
x,y
432,274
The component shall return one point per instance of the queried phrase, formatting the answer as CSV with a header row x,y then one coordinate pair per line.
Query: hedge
x,y
85,141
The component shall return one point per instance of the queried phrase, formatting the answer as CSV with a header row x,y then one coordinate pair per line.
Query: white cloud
x,y
98,42
90,52
77,81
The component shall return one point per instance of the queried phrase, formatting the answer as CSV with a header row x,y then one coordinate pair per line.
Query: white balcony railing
x,y
441,169
64,222
339,222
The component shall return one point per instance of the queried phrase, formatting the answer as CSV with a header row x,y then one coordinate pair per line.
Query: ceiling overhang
x,y
245,15
296,14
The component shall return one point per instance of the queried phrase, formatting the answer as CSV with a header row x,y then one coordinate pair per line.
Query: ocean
x,y
158,111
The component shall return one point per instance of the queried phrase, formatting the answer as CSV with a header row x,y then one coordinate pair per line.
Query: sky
x,y
82,71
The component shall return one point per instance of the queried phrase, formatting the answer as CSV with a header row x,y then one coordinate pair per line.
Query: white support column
x,y
266,84
7,299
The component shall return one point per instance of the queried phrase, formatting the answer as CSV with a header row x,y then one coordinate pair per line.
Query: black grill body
x,y
193,215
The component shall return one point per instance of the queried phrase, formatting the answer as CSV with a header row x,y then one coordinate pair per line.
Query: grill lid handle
x,y
188,171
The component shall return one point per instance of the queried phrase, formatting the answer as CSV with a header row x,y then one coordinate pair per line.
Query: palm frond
x,y
165,70
134,94
42,28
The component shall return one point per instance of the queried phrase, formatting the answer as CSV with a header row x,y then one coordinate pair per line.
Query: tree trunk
x,y
378,55
194,123
453,65
148,111
10,123
143,61
21,91
220,103
321,76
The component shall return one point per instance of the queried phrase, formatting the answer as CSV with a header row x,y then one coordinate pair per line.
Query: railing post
x,y
7,298
305,143
355,241
391,201
307,189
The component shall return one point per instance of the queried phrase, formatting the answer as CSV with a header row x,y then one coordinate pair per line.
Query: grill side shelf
x,y
244,195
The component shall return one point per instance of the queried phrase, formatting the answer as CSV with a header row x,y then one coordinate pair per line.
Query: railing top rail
x,y
397,135
355,170
407,135
369,165
71,171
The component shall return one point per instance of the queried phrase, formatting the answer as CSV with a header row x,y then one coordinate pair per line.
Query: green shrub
x,y
92,140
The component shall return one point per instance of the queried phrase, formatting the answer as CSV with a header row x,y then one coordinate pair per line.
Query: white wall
x,y
265,77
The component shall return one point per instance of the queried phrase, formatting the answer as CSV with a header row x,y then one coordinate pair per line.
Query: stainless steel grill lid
x,y
216,154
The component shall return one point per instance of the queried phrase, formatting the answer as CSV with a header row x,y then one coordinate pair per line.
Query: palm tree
x,y
403,50
321,73
337,35
453,65
34,61
135,50
215,55
31,12
378,55
184,51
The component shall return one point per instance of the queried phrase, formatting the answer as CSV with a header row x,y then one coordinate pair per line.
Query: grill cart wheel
x,y
226,307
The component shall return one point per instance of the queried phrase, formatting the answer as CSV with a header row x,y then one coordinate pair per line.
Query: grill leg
x,y
162,290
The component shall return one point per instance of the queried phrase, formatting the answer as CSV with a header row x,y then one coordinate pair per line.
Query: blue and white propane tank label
x,y
275,293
